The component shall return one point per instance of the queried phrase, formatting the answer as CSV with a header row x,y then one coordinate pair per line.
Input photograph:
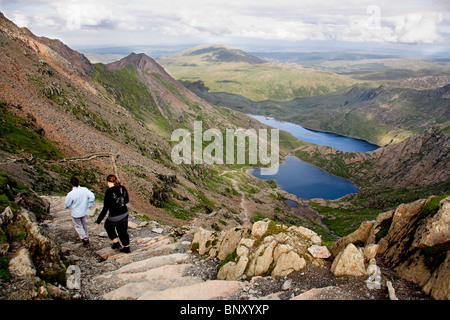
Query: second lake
x,y
305,180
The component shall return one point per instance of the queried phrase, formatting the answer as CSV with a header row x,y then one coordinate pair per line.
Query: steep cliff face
x,y
418,160
414,240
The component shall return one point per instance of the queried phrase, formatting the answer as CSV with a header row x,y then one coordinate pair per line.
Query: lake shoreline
x,y
311,182
337,135
298,177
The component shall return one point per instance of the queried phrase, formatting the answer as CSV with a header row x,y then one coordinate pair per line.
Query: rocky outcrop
x,y
34,258
413,239
266,248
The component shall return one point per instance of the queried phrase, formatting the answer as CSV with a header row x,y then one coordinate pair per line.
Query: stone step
x,y
151,281
153,262
206,290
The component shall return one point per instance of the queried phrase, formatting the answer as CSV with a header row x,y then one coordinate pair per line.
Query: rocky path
x,y
243,200
161,267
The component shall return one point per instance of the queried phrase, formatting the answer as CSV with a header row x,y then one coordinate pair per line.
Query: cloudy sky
x,y
244,23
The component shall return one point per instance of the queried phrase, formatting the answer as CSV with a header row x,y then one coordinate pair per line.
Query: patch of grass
x,y
18,134
384,228
258,216
9,189
4,272
344,221
230,257
432,206
272,184
128,91
273,229
177,210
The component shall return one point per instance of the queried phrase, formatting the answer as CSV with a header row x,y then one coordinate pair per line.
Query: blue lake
x,y
303,179
333,140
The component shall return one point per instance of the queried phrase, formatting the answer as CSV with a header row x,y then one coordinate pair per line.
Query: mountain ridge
x,y
126,113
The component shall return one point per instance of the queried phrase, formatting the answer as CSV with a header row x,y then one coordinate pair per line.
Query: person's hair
x,y
74,181
112,178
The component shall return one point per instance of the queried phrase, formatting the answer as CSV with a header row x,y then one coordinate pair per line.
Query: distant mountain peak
x,y
140,61
223,53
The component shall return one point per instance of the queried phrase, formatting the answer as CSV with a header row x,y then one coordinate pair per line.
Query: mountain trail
x,y
243,200
161,266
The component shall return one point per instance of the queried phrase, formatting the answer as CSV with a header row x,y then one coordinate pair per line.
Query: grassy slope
x,y
262,81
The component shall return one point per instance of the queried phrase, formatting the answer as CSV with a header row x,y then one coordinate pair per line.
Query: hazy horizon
x,y
407,28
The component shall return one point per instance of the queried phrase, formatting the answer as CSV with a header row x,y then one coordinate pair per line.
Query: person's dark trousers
x,y
118,229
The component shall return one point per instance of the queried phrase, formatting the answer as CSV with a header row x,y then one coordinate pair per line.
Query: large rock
x,y
287,263
436,230
262,249
262,258
349,262
438,286
320,252
413,240
307,235
260,227
21,264
6,216
135,285
228,242
326,293
233,270
359,235
203,240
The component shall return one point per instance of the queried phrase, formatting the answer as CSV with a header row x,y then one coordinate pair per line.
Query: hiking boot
x,y
85,242
115,245
125,250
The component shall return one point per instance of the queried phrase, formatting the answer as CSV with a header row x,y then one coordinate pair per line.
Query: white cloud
x,y
21,20
401,21
79,14
419,28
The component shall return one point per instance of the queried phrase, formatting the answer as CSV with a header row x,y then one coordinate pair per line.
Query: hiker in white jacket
x,y
80,199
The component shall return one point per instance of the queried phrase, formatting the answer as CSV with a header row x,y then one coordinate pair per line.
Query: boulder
x,y
203,240
438,286
359,235
228,242
320,252
262,258
349,262
436,229
21,264
287,263
326,293
306,235
370,251
209,290
6,216
260,227
233,270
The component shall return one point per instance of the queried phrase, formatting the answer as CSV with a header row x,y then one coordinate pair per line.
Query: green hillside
x,y
223,69
379,114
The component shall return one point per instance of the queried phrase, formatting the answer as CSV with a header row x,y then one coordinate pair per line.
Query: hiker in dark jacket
x,y
116,224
